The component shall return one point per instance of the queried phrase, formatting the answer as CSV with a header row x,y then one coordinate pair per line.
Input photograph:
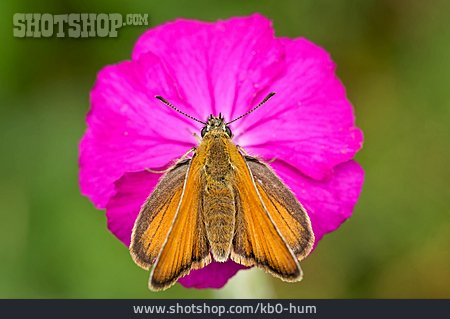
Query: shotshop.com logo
x,y
73,25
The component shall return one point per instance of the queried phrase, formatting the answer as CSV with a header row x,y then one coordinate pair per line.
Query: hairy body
x,y
218,200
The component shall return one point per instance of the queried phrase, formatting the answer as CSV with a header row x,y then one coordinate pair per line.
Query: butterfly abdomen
x,y
218,200
219,217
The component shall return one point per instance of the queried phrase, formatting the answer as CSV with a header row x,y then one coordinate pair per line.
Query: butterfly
x,y
219,204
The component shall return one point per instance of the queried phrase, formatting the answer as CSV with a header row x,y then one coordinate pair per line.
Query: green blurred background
x,y
393,57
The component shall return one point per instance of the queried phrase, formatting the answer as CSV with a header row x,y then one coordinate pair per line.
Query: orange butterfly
x,y
220,204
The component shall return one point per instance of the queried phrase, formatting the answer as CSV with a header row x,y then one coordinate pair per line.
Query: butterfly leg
x,y
273,159
241,149
181,159
198,138
155,171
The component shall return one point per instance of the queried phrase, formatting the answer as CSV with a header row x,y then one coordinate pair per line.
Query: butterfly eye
x,y
228,131
203,132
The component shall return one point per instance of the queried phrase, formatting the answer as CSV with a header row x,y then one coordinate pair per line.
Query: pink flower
x,y
228,67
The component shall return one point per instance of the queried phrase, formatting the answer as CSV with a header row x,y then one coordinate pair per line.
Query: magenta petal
x,y
123,208
328,203
219,66
309,123
215,275
128,129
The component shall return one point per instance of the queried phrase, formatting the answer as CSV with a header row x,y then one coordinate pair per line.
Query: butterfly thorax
x,y
218,203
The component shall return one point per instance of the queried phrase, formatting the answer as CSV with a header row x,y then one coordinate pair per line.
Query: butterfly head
x,y
216,124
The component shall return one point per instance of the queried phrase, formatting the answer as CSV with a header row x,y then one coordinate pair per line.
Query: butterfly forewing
x,y
257,240
186,246
285,210
156,216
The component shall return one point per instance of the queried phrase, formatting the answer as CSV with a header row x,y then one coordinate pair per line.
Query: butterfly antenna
x,y
176,109
253,109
